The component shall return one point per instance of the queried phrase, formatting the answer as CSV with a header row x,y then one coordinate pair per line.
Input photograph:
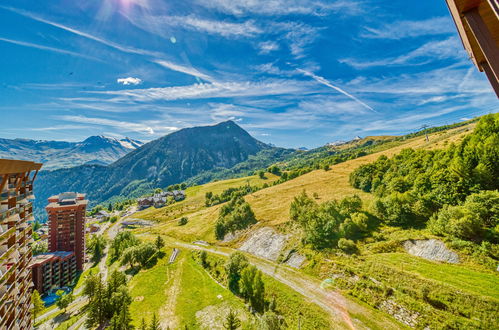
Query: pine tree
x,y
154,323
143,325
231,321
160,242
258,298
37,302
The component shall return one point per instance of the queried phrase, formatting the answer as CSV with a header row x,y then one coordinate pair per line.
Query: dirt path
x,y
335,304
167,314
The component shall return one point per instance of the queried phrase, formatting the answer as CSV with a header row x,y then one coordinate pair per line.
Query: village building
x,y
102,215
160,199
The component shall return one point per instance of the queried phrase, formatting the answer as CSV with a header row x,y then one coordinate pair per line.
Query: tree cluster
x,y
108,302
178,186
235,215
246,281
325,224
476,219
228,194
140,255
96,246
417,185
122,241
131,251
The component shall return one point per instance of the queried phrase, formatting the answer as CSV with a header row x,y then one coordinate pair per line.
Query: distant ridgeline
x,y
168,160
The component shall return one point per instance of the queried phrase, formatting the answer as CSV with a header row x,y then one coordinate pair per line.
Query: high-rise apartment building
x,y
53,270
16,187
66,213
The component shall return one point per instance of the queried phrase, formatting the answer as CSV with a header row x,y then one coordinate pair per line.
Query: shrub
x,y
347,246
183,221
235,215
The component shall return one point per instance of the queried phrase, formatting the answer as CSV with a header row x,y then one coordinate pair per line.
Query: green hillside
x,y
381,274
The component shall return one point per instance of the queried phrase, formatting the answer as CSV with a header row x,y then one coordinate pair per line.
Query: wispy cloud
x,y
86,35
327,83
60,128
162,25
212,90
184,69
47,48
124,126
298,35
428,52
410,29
129,81
126,49
282,7
267,47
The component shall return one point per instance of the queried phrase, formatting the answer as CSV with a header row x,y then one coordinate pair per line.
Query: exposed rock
x,y
265,243
431,249
213,317
295,260
400,313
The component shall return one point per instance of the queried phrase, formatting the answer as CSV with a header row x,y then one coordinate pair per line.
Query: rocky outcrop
x,y
265,243
295,260
400,313
431,249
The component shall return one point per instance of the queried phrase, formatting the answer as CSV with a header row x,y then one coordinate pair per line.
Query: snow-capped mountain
x,y
101,150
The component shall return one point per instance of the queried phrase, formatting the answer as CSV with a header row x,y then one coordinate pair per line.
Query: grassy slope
x,y
458,276
148,290
271,205
178,291
196,198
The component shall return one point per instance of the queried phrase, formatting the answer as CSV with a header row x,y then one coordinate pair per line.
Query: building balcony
x,y
6,252
6,232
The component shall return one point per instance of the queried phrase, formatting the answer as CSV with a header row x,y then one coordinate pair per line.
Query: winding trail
x,y
334,303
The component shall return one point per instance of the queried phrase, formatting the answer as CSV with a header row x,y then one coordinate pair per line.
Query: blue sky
x,y
291,72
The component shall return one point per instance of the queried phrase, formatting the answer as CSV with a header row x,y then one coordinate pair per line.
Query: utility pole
x,y
426,133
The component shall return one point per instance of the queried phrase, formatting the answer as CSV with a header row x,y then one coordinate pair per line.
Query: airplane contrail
x,y
325,82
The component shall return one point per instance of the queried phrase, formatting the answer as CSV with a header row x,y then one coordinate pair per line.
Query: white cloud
x,y
184,69
148,128
327,83
438,82
59,127
51,49
298,35
428,52
126,49
212,90
282,7
162,25
268,47
108,43
410,29
129,81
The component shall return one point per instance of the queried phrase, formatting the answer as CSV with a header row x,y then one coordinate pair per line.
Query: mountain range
x,y
100,150
171,159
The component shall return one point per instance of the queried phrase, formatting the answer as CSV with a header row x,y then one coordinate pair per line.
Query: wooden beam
x,y
4,181
495,7
485,41
456,16
490,75
34,176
